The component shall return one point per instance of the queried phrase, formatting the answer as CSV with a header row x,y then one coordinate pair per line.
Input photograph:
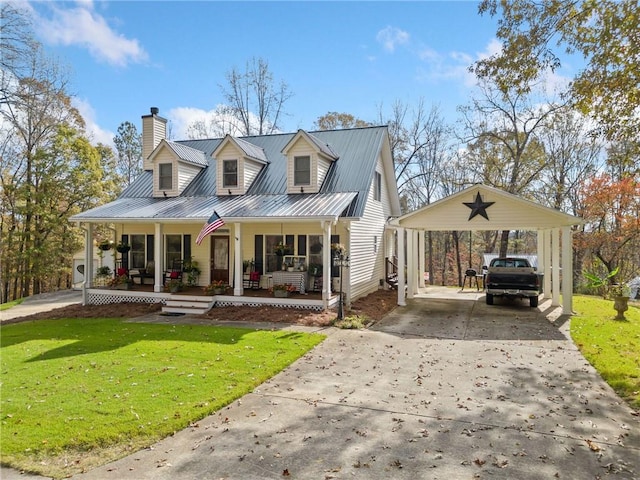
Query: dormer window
x,y
302,170
165,176
230,173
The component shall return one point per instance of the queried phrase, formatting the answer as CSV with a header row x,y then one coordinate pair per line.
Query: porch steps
x,y
188,304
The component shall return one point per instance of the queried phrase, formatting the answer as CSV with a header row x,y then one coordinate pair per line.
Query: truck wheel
x,y
533,302
489,299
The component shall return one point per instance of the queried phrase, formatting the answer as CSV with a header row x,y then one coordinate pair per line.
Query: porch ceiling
x,y
480,207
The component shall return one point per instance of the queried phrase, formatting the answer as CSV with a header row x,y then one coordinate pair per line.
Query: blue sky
x,y
335,56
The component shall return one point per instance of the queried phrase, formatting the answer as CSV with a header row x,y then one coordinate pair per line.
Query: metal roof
x,y
348,177
188,154
238,208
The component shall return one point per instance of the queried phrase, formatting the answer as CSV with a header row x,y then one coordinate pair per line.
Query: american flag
x,y
214,223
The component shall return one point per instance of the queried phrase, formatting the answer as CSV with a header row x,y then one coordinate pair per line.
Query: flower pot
x,y
280,293
621,305
123,286
218,291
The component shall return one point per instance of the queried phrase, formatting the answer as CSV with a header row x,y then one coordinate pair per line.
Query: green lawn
x,y
98,388
611,346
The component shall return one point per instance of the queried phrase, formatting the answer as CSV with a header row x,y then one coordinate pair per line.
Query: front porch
x,y
193,300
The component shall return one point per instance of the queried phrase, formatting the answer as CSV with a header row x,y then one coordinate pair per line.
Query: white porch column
x,y
88,262
540,253
158,257
421,257
567,271
547,264
238,285
401,270
326,264
555,267
411,265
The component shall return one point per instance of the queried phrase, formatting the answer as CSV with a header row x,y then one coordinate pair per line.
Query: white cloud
x,y
390,37
95,133
84,27
212,123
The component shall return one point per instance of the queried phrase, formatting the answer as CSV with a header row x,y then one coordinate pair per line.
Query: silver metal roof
x,y
252,150
188,154
349,177
238,208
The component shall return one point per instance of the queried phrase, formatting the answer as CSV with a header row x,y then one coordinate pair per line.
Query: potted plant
x,y
120,282
282,249
247,265
282,290
105,245
103,271
123,247
174,285
619,292
192,271
216,287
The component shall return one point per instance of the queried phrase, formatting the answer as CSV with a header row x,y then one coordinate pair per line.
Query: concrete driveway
x,y
440,389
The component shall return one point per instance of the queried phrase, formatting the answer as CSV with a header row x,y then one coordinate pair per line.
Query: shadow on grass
x,y
88,336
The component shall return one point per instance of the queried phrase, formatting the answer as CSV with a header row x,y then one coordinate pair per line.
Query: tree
x,y
501,128
611,210
254,99
128,143
606,33
335,120
48,171
571,156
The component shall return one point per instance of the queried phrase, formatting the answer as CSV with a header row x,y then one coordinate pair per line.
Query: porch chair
x,y
175,273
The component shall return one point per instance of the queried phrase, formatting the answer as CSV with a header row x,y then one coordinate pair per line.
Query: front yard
x,y
80,392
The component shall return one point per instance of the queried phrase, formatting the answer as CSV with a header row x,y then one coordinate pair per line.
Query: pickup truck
x,y
512,277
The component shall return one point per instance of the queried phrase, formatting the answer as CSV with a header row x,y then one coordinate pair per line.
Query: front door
x,y
220,258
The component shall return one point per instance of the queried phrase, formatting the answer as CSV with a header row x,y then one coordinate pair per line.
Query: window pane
x,y
302,170
230,173
137,253
271,259
165,180
377,186
173,248
315,250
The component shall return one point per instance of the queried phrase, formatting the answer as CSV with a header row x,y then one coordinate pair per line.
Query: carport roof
x,y
466,210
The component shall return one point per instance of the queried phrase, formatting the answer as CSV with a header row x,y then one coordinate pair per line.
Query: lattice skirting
x,y
297,306
103,299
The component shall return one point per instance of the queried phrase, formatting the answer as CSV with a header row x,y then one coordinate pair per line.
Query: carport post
x,y
401,268
555,267
421,256
411,270
567,268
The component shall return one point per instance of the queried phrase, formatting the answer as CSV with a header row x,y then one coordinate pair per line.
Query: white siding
x,y
186,173
367,265
154,130
323,168
251,170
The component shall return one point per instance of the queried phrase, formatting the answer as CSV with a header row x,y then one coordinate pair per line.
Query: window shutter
x,y
186,246
302,246
150,248
257,257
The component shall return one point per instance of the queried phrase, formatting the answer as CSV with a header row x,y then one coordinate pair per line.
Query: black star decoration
x,y
478,207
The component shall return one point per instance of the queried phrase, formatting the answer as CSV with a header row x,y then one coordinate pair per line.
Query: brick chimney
x,y
154,129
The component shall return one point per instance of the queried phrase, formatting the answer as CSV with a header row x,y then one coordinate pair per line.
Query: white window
x,y
165,176
377,186
230,173
302,170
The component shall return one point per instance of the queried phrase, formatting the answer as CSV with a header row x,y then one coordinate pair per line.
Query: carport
x,y
481,208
